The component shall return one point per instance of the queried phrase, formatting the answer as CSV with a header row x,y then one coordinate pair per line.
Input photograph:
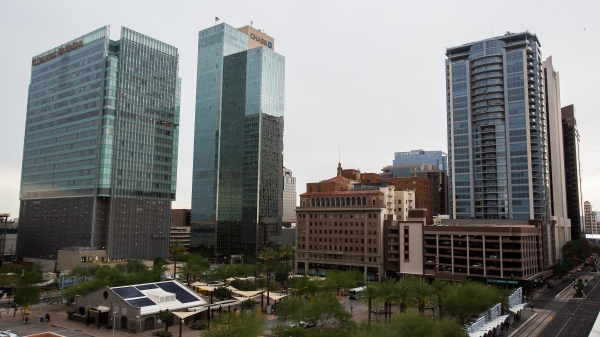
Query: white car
x,y
7,333
307,325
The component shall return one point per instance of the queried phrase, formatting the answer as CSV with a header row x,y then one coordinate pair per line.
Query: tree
x,y
440,290
578,249
288,307
287,254
469,300
422,292
268,255
403,294
27,295
248,304
387,294
370,293
222,293
166,316
337,279
230,325
174,248
412,324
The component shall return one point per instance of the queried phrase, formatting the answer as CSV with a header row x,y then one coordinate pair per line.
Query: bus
x,y
356,293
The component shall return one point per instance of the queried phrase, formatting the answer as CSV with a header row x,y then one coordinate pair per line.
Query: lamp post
x,y
139,322
114,321
180,326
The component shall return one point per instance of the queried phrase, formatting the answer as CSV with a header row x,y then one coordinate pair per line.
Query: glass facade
x,y
100,149
437,158
497,142
237,190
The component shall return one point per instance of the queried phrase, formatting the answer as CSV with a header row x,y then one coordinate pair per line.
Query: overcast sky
x,y
367,75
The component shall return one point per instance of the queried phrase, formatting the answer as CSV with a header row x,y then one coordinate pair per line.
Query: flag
x,y
217,18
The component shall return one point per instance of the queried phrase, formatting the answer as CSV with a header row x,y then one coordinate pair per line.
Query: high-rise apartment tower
x,y
237,187
100,152
572,173
497,132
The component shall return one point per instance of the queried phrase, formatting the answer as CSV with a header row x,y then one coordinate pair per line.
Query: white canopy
x,y
276,297
184,314
516,308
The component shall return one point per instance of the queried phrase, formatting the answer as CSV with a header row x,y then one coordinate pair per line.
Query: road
x,y
577,316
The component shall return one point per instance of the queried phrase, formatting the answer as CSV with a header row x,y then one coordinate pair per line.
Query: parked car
x,y
550,285
307,325
7,333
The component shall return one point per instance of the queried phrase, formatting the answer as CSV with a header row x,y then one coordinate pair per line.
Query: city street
x,y
556,313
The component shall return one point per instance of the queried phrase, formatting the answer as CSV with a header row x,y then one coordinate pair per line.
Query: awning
x,y
99,309
196,284
276,297
184,314
198,309
516,308
248,293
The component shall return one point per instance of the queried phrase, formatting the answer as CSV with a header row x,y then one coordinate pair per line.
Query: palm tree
x,y
422,292
287,253
174,248
370,293
440,290
403,294
267,255
387,294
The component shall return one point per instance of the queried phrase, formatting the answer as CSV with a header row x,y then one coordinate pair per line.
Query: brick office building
x,y
422,187
339,225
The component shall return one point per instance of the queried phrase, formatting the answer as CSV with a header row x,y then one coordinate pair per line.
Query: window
x,y
406,231
406,257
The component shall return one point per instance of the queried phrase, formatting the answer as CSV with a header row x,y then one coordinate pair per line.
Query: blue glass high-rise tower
x,y
237,190
100,150
497,129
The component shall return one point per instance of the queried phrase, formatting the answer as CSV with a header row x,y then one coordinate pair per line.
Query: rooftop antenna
x,y
251,23
339,153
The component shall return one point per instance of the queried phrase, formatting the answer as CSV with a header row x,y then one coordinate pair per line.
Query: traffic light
x,y
586,282
572,280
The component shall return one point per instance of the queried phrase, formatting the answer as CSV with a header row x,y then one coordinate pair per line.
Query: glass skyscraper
x,y
100,151
497,131
237,189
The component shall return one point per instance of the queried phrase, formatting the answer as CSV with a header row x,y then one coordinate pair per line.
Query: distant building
x,y
289,198
439,181
181,234
436,158
556,157
100,147
519,252
181,217
339,225
237,199
497,129
71,257
403,252
403,202
422,189
572,172
591,222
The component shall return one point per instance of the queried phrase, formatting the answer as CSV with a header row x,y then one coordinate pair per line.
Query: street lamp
x,y
139,322
180,326
114,321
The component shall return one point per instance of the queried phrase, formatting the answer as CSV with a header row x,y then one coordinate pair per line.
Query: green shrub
x,y
163,333
199,326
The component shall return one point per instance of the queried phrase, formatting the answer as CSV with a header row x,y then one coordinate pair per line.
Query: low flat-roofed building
x,y
137,304
71,257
